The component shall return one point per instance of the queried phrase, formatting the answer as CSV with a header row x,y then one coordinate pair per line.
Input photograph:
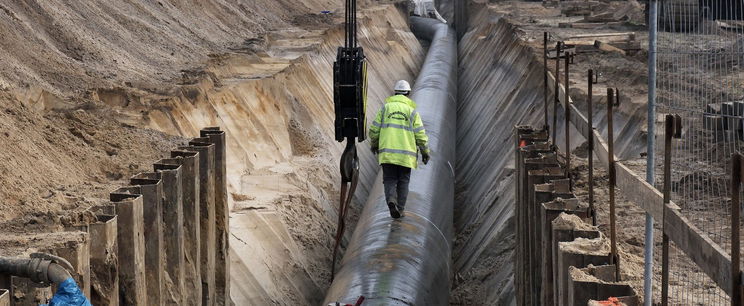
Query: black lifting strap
x,y
349,180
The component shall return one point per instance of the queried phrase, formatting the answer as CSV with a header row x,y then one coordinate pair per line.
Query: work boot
x,y
394,210
401,210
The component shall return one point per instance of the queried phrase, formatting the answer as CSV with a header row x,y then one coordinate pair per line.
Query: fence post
x,y
611,158
648,255
545,79
557,82
672,129
567,116
736,181
590,149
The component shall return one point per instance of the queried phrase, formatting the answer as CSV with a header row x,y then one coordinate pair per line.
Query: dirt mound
x,y
66,47
67,160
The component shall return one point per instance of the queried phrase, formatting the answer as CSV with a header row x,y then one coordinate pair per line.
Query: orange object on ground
x,y
613,301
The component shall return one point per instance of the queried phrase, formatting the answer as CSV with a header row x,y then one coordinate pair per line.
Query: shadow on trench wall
x,y
498,90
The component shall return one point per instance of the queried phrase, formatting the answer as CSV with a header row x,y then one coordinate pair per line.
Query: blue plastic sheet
x,y
68,293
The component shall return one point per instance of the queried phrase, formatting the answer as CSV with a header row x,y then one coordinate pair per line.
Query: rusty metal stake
x,y
567,116
668,130
611,158
546,127
557,82
590,149
736,181
672,129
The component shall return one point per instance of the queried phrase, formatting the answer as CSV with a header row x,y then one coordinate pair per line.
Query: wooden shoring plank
x,y
708,255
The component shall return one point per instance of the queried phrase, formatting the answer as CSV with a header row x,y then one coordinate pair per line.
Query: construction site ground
x,y
628,73
95,92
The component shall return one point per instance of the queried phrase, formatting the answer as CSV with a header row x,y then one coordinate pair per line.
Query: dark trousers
x,y
396,179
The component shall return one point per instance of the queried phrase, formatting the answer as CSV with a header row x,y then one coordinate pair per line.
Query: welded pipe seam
x,y
407,261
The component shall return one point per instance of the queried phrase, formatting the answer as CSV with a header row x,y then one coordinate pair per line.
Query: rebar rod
x,y
567,115
545,79
611,157
590,149
556,92
667,190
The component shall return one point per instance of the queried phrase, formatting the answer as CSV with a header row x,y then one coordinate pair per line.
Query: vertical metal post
x,y
590,114
567,116
556,93
648,256
222,215
668,134
611,159
545,78
736,180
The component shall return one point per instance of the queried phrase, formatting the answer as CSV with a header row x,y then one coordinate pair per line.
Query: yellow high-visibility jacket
x,y
397,132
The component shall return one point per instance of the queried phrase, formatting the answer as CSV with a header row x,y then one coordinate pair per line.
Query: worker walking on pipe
x,y
397,136
424,8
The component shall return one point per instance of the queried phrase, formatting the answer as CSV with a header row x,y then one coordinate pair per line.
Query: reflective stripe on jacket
x,y
397,132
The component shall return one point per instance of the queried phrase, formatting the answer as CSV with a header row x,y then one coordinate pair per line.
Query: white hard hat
x,y
402,86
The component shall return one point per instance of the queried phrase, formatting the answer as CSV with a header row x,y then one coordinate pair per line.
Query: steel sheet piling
x,y
189,161
103,254
151,189
131,245
548,212
222,215
206,215
170,172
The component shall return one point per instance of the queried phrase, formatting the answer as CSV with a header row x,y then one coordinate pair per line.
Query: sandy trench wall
x,y
271,121
257,114
499,90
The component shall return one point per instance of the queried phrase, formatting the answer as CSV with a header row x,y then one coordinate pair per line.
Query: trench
x,y
496,91
282,160
282,165
275,106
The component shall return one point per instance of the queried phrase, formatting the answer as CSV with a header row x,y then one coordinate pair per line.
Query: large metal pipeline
x,y
407,261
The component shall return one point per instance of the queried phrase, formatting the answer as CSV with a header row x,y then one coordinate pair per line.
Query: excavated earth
x,y
93,92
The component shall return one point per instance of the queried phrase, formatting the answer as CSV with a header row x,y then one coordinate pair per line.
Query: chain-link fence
x,y
700,77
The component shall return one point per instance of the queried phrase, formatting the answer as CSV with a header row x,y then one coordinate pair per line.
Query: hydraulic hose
x,y
37,269
407,261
